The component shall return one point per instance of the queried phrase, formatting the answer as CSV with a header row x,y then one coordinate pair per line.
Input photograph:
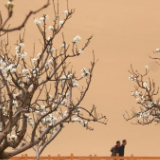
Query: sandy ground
x,y
125,32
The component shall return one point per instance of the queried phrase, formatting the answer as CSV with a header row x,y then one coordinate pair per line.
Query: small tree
x,y
145,94
36,98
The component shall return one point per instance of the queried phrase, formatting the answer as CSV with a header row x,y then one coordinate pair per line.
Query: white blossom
x,y
64,77
143,97
39,54
75,85
17,48
34,60
75,119
51,131
43,120
65,113
50,27
140,116
150,104
61,22
43,107
30,110
57,16
76,39
52,49
13,137
64,45
18,54
157,50
13,70
82,122
4,108
48,120
47,65
146,114
50,61
15,95
41,19
21,44
10,3
46,17
54,119
145,84
70,76
8,79
137,100
15,107
132,78
31,123
28,77
86,74
24,55
31,86
26,115
10,66
80,51
36,21
50,96
65,12
43,113
14,128
137,93
50,124
83,69
64,102
25,70
147,67
38,108
30,118
49,38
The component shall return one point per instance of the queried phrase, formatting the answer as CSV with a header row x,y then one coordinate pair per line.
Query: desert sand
x,y
124,32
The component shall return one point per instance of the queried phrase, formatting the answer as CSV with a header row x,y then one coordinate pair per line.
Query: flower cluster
x,y
38,21
13,137
64,45
80,51
18,51
76,39
83,123
65,12
50,61
61,22
75,83
85,73
50,49
132,78
157,50
6,67
50,27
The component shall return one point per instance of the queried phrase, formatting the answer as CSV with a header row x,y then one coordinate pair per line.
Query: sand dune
x,y
125,32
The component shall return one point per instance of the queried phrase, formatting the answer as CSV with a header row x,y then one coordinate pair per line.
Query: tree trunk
x,y
37,152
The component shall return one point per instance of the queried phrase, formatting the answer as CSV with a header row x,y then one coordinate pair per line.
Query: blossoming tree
x,y
145,94
36,98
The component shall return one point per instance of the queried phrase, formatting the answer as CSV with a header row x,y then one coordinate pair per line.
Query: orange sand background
x,y
125,32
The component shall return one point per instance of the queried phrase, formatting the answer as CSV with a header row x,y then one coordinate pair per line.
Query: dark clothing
x,y
121,150
114,150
